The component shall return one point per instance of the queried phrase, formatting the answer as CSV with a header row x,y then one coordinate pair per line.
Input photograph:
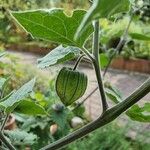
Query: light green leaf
x,y
10,104
33,122
7,96
102,9
113,96
138,36
29,107
146,107
2,54
113,93
104,59
141,114
53,25
58,55
2,82
18,137
3,85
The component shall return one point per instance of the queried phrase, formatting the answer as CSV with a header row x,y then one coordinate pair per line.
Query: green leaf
x,y
18,137
29,107
33,122
113,93
102,9
2,83
10,104
2,54
7,96
104,59
138,36
58,55
39,98
141,114
112,96
53,25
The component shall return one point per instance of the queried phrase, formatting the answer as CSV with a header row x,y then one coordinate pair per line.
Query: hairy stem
x,y
104,119
97,68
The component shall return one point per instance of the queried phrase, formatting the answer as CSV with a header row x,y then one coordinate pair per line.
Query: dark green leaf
x,y
141,114
58,55
10,104
18,137
102,9
138,36
53,25
29,107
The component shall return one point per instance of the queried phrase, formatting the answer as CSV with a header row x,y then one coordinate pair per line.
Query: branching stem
x,y
122,41
96,64
121,44
104,119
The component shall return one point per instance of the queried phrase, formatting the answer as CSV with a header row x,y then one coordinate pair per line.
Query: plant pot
x,y
131,64
11,123
118,63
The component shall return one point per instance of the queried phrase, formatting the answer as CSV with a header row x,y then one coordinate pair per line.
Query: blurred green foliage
x,y
44,95
135,47
113,137
11,34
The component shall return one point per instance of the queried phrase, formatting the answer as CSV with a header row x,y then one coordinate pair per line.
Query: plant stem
x,y
78,61
89,95
86,52
137,95
97,67
6,142
120,44
72,137
4,122
104,119
122,41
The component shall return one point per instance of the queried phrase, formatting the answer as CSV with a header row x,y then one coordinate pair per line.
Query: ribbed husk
x,y
70,85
